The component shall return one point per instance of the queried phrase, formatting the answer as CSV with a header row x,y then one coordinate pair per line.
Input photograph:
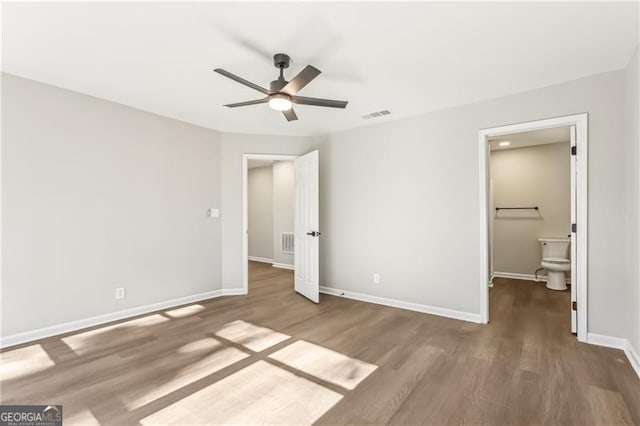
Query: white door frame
x,y
245,208
579,278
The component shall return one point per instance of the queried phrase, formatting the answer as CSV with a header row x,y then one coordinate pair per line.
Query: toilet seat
x,y
556,264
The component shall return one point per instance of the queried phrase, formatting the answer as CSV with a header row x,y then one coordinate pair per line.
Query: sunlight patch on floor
x,y
185,311
250,336
325,364
81,418
258,394
88,341
222,357
199,345
24,361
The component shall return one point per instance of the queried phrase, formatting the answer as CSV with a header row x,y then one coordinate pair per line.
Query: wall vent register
x,y
376,114
287,242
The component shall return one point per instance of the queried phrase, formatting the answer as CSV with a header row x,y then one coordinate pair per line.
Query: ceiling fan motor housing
x,y
281,60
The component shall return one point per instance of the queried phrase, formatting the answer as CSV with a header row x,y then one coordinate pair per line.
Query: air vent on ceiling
x,y
376,114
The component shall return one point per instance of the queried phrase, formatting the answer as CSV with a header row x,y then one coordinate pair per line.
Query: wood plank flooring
x,y
263,358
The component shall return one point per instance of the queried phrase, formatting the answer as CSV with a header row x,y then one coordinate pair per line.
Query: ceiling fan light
x,y
280,102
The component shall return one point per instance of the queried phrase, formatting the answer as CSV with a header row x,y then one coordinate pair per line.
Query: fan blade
x,y
257,101
330,103
242,81
290,114
303,78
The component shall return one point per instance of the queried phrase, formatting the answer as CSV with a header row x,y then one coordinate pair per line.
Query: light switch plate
x,y
120,293
213,212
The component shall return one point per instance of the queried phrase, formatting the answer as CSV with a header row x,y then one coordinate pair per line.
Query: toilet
x,y
555,260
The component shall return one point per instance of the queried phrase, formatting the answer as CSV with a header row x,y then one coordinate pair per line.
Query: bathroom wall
x,y
283,207
531,176
260,212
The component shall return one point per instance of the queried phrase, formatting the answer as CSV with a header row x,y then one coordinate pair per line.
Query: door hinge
x,y
573,227
573,150
574,306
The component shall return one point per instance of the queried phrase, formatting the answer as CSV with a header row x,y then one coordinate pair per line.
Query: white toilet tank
x,y
555,247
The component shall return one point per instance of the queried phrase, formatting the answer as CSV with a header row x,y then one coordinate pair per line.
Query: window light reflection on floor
x,y
23,362
289,386
92,340
83,417
260,393
250,336
185,311
325,364
221,357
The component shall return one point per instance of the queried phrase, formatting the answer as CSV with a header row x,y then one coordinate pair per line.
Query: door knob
x,y
314,233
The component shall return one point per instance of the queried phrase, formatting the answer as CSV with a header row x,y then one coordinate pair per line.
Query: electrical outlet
x,y
120,294
376,278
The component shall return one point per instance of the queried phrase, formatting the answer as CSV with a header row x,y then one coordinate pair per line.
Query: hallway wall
x,y
260,212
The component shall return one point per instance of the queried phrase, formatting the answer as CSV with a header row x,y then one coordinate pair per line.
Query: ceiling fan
x,y
282,94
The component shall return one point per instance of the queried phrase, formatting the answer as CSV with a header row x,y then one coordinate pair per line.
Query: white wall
x,y
97,195
260,212
401,199
633,196
283,207
533,176
233,146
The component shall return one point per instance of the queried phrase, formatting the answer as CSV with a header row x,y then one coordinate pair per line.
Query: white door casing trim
x,y
581,123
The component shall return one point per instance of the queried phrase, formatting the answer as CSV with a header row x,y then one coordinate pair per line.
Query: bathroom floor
x,y
274,357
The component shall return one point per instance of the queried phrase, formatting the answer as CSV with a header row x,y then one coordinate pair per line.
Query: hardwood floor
x,y
274,357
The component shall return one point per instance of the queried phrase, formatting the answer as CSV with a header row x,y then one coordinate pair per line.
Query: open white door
x,y
492,215
574,243
307,245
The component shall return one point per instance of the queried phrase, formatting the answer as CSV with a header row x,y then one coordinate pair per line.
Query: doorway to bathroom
x,y
533,188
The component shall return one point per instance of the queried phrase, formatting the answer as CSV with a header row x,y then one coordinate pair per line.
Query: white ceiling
x,y
534,137
254,164
408,58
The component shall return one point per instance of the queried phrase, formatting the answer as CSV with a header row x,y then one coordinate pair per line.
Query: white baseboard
x,y
527,277
434,310
283,266
232,292
633,357
260,259
617,343
41,333
607,341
